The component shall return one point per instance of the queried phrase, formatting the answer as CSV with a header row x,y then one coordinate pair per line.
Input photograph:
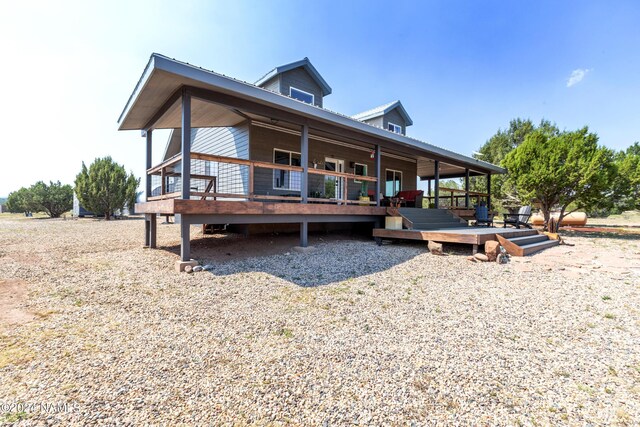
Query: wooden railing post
x,y
163,183
251,178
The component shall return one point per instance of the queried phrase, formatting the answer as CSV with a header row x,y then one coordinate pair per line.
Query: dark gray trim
x,y
466,188
147,181
378,171
304,159
186,145
436,189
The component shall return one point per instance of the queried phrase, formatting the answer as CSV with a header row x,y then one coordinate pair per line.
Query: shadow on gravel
x,y
335,258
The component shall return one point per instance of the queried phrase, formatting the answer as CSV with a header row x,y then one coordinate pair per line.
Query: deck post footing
x,y
180,265
304,249
475,249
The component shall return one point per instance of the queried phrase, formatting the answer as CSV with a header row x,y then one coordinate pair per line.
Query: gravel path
x,y
350,334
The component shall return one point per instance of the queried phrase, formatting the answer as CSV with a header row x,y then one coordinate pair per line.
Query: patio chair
x,y
482,216
519,219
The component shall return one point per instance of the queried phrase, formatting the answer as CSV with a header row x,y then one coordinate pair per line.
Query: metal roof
x,y
384,109
304,63
163,76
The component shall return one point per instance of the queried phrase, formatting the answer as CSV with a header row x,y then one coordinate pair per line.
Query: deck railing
x,y
453,199
242,181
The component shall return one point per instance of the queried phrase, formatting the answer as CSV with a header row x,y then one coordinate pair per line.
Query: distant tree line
x,y
560,170
103,188
53,199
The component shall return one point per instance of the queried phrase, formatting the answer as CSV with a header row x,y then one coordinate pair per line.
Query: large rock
x,y
481,257
435,248
492,249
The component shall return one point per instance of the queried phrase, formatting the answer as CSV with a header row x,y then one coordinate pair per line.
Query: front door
x,y
333,186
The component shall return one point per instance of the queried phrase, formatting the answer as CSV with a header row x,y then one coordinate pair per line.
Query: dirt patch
x,y
13,293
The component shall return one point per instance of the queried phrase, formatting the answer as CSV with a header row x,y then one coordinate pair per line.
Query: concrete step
x,y
535,247
526,240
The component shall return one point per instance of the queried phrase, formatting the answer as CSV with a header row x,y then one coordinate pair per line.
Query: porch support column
x,y
466,188
149,224
378,174
186,144
185,242
304,159
304,234
489,191
152,219
436,190
147,176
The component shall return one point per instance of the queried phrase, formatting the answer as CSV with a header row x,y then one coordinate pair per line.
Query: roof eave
x,y
249,91
146,74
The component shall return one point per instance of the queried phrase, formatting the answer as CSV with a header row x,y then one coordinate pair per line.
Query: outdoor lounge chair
x,y
482,216
521,218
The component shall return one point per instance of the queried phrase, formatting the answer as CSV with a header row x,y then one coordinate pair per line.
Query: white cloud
x,y
577,76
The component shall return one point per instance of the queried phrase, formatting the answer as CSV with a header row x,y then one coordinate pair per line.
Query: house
x,y
269,152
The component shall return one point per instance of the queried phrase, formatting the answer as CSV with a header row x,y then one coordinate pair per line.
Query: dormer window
x,y
301,95
394,128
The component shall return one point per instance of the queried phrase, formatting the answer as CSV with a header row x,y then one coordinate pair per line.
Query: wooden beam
x,y
165,196
163,109
173,160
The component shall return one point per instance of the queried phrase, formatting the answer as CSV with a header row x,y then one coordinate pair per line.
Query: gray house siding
x,y
272,84
383,121
301,79
221,141
394,117
264,141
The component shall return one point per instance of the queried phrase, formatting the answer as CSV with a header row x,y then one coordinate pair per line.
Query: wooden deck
x,y
470,236
218,207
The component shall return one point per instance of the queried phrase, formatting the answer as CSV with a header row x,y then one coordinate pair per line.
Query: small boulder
x,y
197,268
472,259
188,269
492,249
481,257
435,248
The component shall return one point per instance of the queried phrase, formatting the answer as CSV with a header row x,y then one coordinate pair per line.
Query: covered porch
x,y
178,96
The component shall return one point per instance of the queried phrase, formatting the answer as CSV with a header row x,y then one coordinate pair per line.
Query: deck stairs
x,y
527,245
427,219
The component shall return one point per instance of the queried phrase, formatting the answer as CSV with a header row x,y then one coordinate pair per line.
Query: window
x,y
301,95
284,179
394,127
359,169
393,182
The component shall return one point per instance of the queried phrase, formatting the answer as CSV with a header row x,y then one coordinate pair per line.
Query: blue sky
x,y
462,69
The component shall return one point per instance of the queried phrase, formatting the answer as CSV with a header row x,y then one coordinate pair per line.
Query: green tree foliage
x,y
626,185
53,199
496,149
20,201
559,169
104,187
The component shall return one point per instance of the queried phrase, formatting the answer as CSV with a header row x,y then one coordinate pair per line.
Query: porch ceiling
x,y
426,170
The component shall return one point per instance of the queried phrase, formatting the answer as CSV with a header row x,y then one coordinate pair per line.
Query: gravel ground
x,y
350,334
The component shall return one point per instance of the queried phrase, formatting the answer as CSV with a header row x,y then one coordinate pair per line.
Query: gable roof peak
x,y
302,63
384,109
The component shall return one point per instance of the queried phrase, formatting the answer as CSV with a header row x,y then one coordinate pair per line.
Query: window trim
x,y
366,172
389,124
385,181
313,97
277,170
